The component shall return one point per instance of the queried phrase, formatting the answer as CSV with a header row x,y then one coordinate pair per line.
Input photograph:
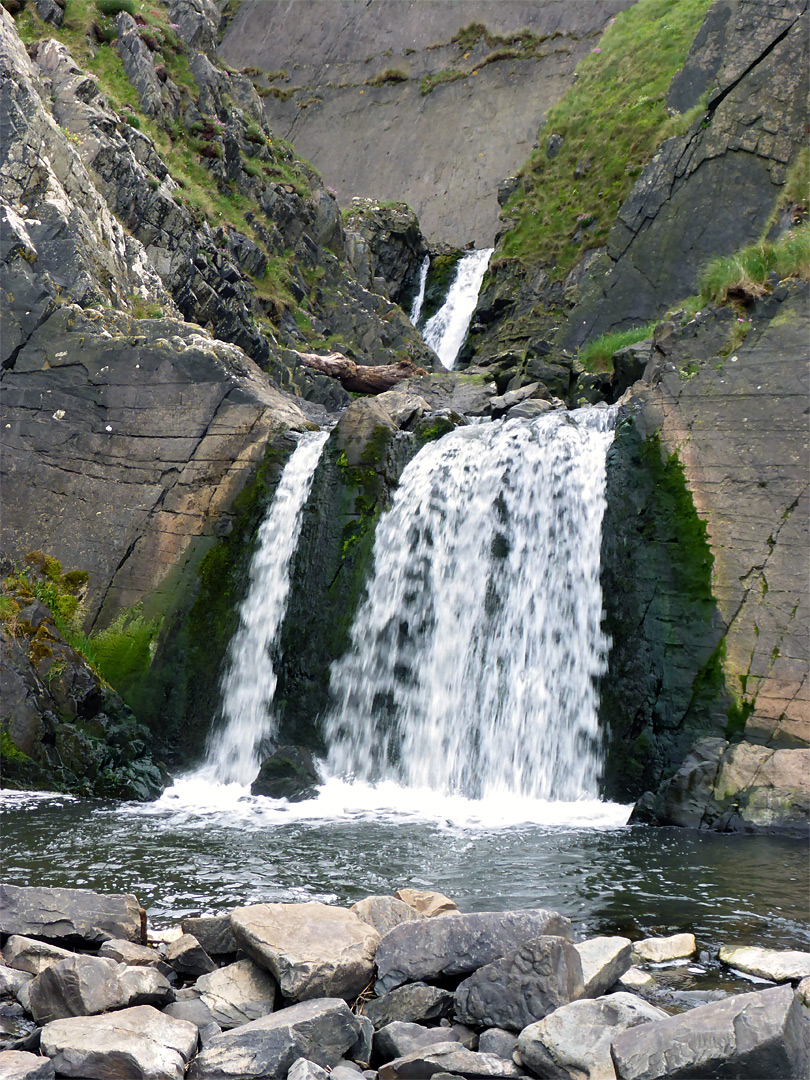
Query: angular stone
x,y
447,1057
321,1031
658,950
238,993
139,1044
398,1039
416,1002
12,981
385,912
604,961
196,1012
360,1051
189,958
312,949
775,964
525,985
127,952
634,979
142,986
306,1070
499,1042
575,1040
459,944
27,954
19,1065
761,1034
426,902
86,985
213,933
77,917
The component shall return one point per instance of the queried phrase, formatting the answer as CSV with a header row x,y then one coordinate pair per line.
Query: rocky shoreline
x,y
394,987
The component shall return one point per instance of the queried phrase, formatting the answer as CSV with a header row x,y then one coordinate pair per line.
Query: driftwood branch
x,y
359,378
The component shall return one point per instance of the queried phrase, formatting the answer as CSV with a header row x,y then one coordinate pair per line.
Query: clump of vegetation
x,y
428,83
610,122
748,274
597,355
390,75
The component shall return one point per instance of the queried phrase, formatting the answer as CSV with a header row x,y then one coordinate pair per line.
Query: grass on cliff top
x,y
611,121
747,274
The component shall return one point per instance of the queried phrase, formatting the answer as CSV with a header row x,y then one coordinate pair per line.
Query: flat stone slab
x,y
775,964
761,1034
28,954
19,1065
70,917
320,1031
459,944
238,993
313,950
449,1058
400,1038
658,950
127,952
138,1044
604,961
635,979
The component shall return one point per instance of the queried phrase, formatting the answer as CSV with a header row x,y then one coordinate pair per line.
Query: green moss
x,y
428,83
390,75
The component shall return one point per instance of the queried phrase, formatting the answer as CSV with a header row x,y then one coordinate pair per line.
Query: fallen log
x,y
375,379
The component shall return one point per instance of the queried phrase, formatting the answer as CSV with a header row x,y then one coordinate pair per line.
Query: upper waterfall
x,y
474,657
419,299
445,331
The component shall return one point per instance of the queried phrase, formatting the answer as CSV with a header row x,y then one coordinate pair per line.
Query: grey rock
x,y
657,950
398,1039
27,954
414,1003
195,1012
525,985
143,986
19,1065
346,1072
302,1069
138,1043
574,1041
385,912
127,952
447,1057
197,24
779,965
12,981
458,944
85,985
499,1042
238,993
50,12
360,1051
604,961
213,933
288,773
529,410
313,950
636,979
320,1031
139,65
553,145
188,957
756,1034
70,916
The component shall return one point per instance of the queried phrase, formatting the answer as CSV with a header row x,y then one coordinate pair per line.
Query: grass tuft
x,y
597,355
749,274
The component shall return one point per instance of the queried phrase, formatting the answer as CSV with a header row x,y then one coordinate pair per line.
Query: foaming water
x,y
445,331
474,656
250,680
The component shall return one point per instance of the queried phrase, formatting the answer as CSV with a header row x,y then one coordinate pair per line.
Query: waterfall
x,y
419,299
445,331
475,654
249,682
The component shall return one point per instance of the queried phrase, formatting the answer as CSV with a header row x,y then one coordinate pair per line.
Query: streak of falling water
x,y
249,682
474,657
445,331
419,299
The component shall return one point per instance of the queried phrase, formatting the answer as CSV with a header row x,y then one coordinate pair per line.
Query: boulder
x,y
238,993
302,1069
803,993
459,944
312,949
19,1065
86,985
320,1031
127,952
360,1050
604,961
196,1011
70,917
213,933
525,985
139,1044
385,912
398,1039
12,981
634,979
658,950
189,958
574,1041
426,902
414,1003
779,965
288,773
27,954
499,1042
749,1035
143,986
447,1057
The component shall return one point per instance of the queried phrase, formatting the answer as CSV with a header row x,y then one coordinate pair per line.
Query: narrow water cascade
x,y
419,299
249,682
474,656
445,331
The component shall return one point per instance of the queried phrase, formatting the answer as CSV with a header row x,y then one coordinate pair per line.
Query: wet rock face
x,y
387,242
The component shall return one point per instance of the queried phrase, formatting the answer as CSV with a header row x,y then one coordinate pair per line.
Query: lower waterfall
x,y
474,656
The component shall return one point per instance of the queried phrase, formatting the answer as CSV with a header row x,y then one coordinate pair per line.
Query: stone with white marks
x,y
238,993
306,1070
27,954
658,950
779,965
78,917
604,962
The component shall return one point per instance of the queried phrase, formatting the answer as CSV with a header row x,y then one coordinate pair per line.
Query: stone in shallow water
x,y
761,1034
313,950
634,979
658,950
775,964
604,961
414,1003
77,917
238,993
384,912
139,1044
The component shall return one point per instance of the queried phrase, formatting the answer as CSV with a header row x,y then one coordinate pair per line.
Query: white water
x,y
445,331
474,656
250,679
419,299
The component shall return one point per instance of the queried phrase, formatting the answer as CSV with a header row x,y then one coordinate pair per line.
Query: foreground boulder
x,y
604,961
312,949
525,985
238,993
385,912
139,1044
399,1039
28,954
85,985
18,1065
320,1031
760,1034
459,944
71,917
775,964
574,1041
